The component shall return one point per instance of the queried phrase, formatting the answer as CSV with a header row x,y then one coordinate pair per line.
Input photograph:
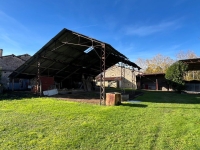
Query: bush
x,y
175,74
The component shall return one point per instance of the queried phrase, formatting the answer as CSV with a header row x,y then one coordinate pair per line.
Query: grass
x,y
163,120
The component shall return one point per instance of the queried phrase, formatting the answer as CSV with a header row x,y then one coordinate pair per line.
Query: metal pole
x,y
102,75
100,78
38,77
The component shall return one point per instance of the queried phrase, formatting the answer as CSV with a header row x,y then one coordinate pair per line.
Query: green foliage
x,y
175,74
160,63
160,121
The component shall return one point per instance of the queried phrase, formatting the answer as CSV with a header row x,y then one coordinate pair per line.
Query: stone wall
x,y
115,71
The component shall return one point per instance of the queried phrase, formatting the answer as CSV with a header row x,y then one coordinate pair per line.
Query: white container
x,y
50,92
125,97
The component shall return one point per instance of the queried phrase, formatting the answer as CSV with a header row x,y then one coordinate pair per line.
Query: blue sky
x,y
136,28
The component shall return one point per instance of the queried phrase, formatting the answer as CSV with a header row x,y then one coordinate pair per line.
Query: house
x,y
114,78
8,64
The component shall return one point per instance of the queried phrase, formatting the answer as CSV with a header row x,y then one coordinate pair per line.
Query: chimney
x,y
1,52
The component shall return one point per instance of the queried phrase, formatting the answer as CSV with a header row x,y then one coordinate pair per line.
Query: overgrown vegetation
x,y
175,74
163,120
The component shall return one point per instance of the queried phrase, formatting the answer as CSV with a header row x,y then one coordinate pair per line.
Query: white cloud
x,y
11,30
7,39
9,22
13,35
151,29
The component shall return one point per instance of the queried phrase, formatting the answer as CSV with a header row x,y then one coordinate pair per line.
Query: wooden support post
x,y
40,88
38,79
122,77
133,75
12,84
156,84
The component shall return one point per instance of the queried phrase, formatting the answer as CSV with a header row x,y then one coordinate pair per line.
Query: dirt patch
x,y
92,97
80,96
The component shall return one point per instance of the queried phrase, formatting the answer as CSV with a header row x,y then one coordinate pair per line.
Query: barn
x,y
71,59
194,66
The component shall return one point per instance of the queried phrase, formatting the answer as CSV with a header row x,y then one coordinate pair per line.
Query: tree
x,y
158,64
175,74
142,63
185,55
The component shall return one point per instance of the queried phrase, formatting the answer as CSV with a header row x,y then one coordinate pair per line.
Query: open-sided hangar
x,y
70,56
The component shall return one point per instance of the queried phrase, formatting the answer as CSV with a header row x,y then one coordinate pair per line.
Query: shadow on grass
x,y
16,95
175,108
133,105
169,97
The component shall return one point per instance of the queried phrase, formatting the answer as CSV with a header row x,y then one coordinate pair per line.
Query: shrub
x,y
175,74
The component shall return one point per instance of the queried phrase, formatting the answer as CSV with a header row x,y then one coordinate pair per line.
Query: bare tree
x,y
158,64
142,63
185,55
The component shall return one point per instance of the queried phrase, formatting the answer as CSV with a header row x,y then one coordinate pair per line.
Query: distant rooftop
x,y
193,64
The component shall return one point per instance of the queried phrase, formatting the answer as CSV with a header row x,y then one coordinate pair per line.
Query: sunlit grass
x,y
162,120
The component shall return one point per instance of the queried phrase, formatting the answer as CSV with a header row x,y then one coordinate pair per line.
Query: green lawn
x,y
163,120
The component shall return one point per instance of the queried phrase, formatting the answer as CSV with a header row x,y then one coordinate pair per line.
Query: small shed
x,y
154,81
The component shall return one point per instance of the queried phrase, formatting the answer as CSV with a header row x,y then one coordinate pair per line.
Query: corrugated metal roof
x,y
63,57
193,64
